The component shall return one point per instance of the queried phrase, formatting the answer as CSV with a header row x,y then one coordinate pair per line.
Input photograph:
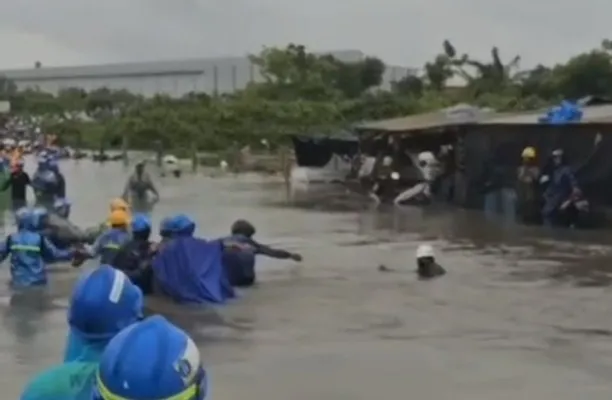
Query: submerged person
x,y
158,359
108,243
135,257
561,185
138,187
56,227
527,187
30,251
427,267
18,181
240,250
103,303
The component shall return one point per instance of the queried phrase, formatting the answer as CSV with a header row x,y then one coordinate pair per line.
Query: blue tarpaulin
x,y
190,270
564,113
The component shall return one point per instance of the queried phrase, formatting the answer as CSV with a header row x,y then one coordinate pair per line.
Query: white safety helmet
x,y
426,157
424,250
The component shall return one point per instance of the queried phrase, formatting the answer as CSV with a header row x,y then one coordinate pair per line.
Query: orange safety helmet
x,y
119,204
119,218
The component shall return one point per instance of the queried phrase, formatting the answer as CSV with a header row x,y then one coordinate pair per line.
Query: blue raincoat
x,y
559,189
68,381
190,270
29,252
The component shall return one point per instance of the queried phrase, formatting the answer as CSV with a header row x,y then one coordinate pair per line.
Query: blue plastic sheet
x,y
190,270
564,113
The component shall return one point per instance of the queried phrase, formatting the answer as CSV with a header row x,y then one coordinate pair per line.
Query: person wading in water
x,y
18,181
137,188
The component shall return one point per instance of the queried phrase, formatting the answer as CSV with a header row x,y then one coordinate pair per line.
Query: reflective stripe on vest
x,y
23,247
111,246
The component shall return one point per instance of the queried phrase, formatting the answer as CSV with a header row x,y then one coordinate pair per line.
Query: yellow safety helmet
x,y
119,204
119,218
528,152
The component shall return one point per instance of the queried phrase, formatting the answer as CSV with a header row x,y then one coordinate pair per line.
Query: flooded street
x,y
520,314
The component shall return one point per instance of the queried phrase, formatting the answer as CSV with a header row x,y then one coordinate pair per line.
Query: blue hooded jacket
x,y
103,302
108,244
29,251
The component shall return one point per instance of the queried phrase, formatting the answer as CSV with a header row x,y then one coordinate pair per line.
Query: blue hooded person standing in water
x,y
30,251
104,302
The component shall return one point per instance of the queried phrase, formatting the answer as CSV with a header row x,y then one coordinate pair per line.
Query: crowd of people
x,y
548,194
112,352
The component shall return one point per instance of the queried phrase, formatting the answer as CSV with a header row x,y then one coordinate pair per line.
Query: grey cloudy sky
x,y
402,32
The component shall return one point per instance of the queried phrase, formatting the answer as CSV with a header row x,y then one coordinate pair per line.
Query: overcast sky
x,y
402,32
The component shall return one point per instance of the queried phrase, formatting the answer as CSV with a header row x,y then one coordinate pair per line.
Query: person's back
x,y
135,257
109,242
29,251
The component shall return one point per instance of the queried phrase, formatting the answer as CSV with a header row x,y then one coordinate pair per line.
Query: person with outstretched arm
x,y
240,250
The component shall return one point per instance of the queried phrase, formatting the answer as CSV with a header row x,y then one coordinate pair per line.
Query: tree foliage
x,y
305,92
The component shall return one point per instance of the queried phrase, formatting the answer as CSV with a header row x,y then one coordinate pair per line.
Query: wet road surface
x,y
521,314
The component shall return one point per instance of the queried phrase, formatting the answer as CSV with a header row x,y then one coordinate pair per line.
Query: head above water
x,y
119,204
158,359
183,225
528,154
62,207
103,302
558,156
243,227
27,219
139,167
425,251
119,219
41,216
141,226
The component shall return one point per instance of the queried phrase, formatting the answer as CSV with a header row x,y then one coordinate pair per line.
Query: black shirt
x,y
18,181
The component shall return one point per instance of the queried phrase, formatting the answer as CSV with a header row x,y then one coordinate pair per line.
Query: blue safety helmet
x,y
183,225
141,223
152,359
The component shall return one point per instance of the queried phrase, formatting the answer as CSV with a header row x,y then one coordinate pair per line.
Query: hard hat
x,y
119,204
119,218
425,250
528,152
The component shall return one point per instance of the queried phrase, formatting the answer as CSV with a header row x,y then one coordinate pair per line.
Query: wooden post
x,y
124,148
194,157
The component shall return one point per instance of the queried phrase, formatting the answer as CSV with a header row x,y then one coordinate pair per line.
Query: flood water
x,y
521,313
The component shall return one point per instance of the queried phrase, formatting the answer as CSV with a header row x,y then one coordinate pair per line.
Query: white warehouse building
x,y
173,78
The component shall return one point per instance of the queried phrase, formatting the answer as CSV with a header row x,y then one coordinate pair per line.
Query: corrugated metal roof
x,y
172,67
457,115
592,114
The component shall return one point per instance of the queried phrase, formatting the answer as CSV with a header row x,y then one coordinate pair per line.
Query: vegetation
x,y
307,93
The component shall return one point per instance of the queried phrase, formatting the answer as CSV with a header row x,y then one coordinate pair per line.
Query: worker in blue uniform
x,y
109,243
30,251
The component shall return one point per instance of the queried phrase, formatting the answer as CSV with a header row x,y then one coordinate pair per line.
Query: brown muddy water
x,y
522,313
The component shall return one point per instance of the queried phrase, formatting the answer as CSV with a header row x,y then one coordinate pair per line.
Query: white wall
x,y
223,76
